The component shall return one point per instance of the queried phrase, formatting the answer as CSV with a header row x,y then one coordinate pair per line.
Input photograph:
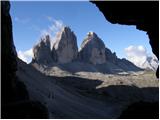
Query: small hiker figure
x,y
51,96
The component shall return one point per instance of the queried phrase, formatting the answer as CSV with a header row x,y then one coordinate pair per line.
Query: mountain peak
x,y
66,45
92,38
42,52
46,40
91,35
66,28
93,49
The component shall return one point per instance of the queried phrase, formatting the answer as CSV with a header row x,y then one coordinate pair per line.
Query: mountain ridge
x,y
93,55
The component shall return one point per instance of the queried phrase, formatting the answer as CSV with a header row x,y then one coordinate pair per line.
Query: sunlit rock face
x,y
66,46
92,49
42,52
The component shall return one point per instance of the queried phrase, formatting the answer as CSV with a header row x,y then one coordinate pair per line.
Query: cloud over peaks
x,y
136,54
54,27
26,56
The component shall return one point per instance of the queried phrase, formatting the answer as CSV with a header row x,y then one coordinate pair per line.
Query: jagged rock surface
x,y
110,56
123,63
42,52
127,65
93,56
66,46
92,49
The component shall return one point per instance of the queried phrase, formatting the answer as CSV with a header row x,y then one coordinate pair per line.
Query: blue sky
x,y
30,19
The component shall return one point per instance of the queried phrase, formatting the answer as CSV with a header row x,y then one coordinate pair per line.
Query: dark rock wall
x,y
141,110
9,63
15,99
143,14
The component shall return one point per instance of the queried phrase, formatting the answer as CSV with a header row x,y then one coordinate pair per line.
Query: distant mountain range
x,y
147,62
151,63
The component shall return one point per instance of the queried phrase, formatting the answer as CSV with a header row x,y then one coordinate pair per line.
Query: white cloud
x,y
26,56
136,54
45,32
54,27
22,20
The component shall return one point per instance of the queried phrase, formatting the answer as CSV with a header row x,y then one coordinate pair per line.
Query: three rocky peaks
x,y
65,50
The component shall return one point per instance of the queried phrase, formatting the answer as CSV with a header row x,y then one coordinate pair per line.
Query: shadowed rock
x,y
66,46
141,110
13,90
110,56
42,52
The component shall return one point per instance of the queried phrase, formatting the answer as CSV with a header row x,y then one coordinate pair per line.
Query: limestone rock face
x,y
110,56
121,63
92,49
66,46
42,52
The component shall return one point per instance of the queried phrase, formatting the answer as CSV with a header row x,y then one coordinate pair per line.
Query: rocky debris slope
x,y
56,96
87,95
66,46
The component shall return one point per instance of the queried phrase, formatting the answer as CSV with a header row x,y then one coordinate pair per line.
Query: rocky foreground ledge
x,y
89,94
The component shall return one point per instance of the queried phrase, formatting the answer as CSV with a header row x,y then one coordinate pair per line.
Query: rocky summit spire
x,y
92,49
42,52
66,46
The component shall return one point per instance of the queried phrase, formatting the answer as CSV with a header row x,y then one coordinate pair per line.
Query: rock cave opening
x,y
28,99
